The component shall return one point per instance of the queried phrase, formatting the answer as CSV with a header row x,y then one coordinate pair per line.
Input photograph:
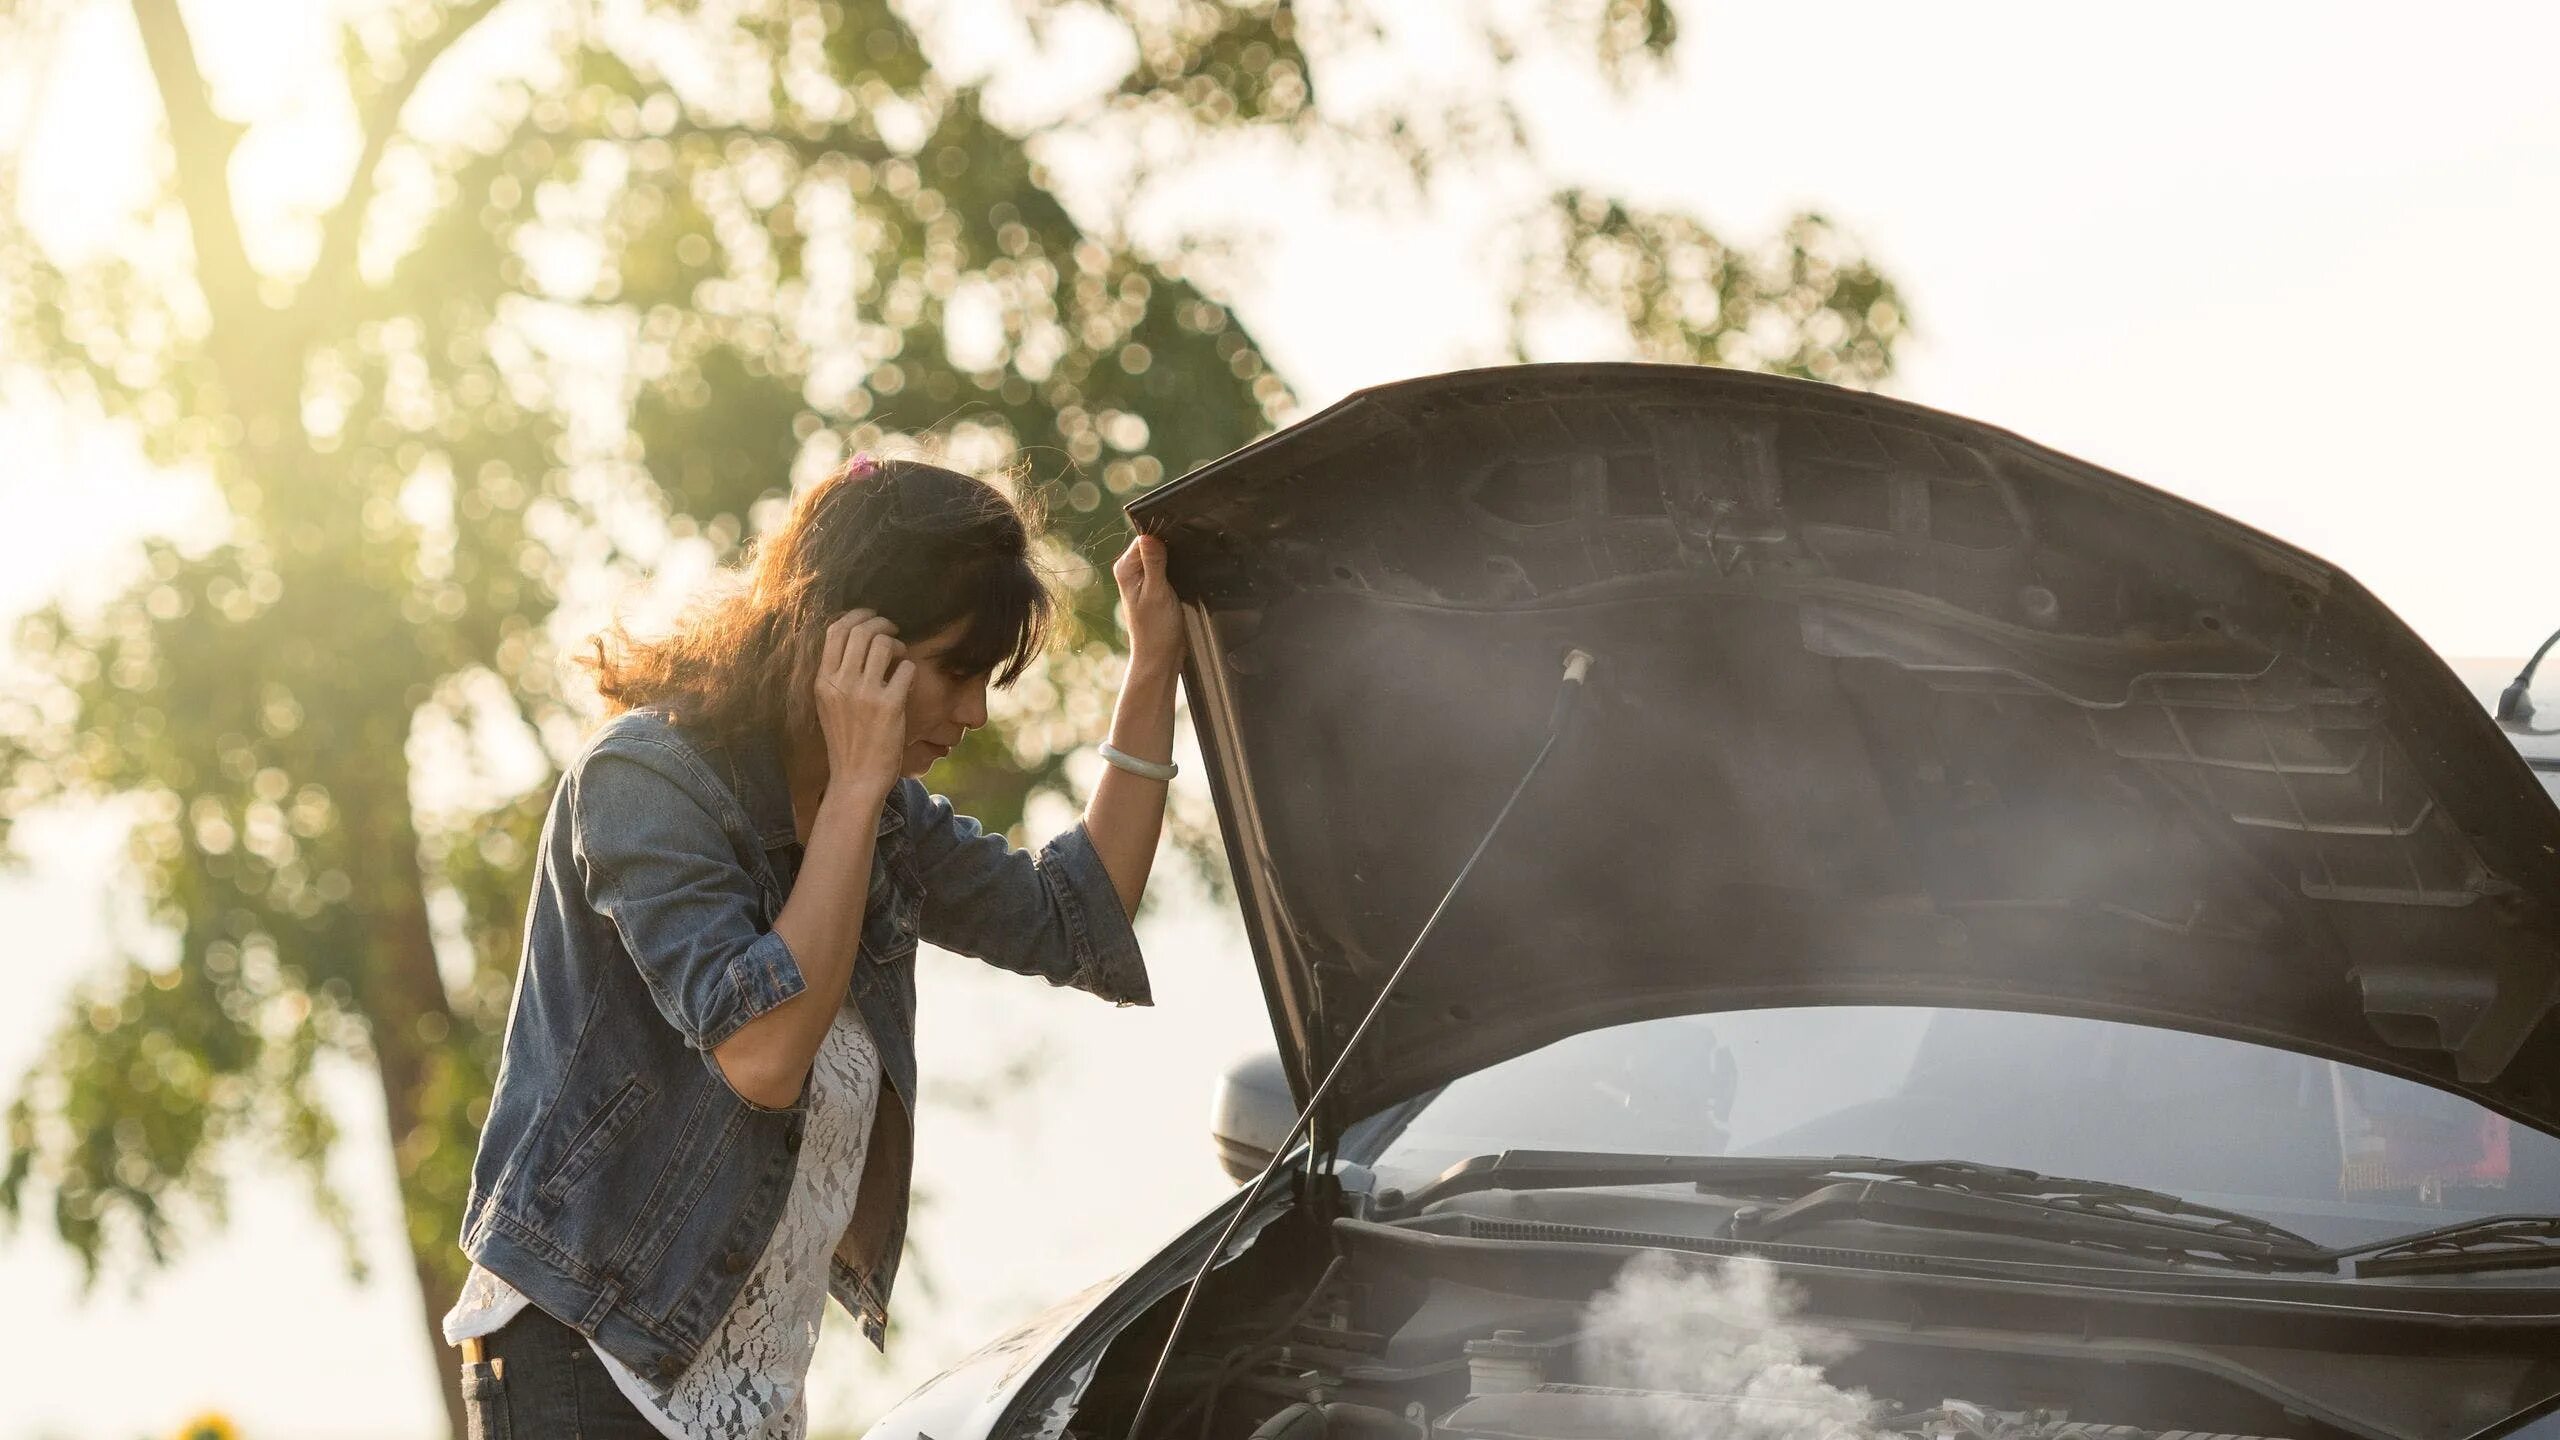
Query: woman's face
x,y
942,706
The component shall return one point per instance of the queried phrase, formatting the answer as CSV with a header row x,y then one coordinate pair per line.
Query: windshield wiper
x,y
1944,1194
2493,1242
1577,1169
2069,1212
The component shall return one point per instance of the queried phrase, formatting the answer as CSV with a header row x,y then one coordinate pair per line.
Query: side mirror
x,y
1250,1114
2515,703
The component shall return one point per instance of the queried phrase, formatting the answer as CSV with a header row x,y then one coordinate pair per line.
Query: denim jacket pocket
x,y
595,1138
889,929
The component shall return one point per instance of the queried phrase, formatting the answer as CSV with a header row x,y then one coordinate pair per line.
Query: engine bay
x,y
1562,1411
1375,1332
1728,1365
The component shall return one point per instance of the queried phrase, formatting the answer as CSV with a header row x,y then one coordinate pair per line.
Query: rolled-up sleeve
x,y
1053,914
657,862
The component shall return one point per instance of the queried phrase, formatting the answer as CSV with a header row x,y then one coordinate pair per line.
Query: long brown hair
x,y
924,546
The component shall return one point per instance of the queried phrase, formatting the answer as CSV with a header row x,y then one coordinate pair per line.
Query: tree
x,y
674,256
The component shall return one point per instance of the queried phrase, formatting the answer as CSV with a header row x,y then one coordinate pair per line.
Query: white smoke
x,y
1727,1351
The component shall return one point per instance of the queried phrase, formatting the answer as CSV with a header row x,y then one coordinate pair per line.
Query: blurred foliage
x,y
677,255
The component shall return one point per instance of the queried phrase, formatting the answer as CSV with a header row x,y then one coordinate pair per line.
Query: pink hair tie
x,y
862,467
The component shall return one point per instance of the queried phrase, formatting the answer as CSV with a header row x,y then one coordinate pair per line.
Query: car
x,y
1948,941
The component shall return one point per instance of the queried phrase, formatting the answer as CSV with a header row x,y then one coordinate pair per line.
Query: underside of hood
x,y
1891,708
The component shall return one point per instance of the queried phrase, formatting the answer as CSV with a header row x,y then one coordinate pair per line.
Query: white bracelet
x,y
1151,769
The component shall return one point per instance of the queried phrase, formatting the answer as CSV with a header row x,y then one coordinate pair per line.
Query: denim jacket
x,y
621,1182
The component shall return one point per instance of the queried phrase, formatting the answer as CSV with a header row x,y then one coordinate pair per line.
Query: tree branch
x,y
202,143
334,272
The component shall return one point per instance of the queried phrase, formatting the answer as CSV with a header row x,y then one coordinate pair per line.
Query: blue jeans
x,y
538,1379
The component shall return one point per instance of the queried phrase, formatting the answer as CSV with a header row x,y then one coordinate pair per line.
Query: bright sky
x,y
2290,261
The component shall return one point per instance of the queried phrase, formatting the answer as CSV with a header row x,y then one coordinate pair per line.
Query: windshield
x,y
2339,1154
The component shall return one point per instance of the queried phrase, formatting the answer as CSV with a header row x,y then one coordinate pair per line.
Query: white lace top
x,y
749,1382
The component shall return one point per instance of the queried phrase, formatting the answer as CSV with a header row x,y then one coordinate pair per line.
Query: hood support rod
x,y
1577,668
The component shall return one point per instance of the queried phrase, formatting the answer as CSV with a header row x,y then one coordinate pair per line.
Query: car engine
x,y
1579,1412
1508,1402
1353,1329
1660,1351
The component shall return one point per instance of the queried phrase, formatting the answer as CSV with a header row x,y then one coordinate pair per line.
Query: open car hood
x,y
1891,708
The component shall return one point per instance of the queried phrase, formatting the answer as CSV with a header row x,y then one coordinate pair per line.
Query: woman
x,y
700,1129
